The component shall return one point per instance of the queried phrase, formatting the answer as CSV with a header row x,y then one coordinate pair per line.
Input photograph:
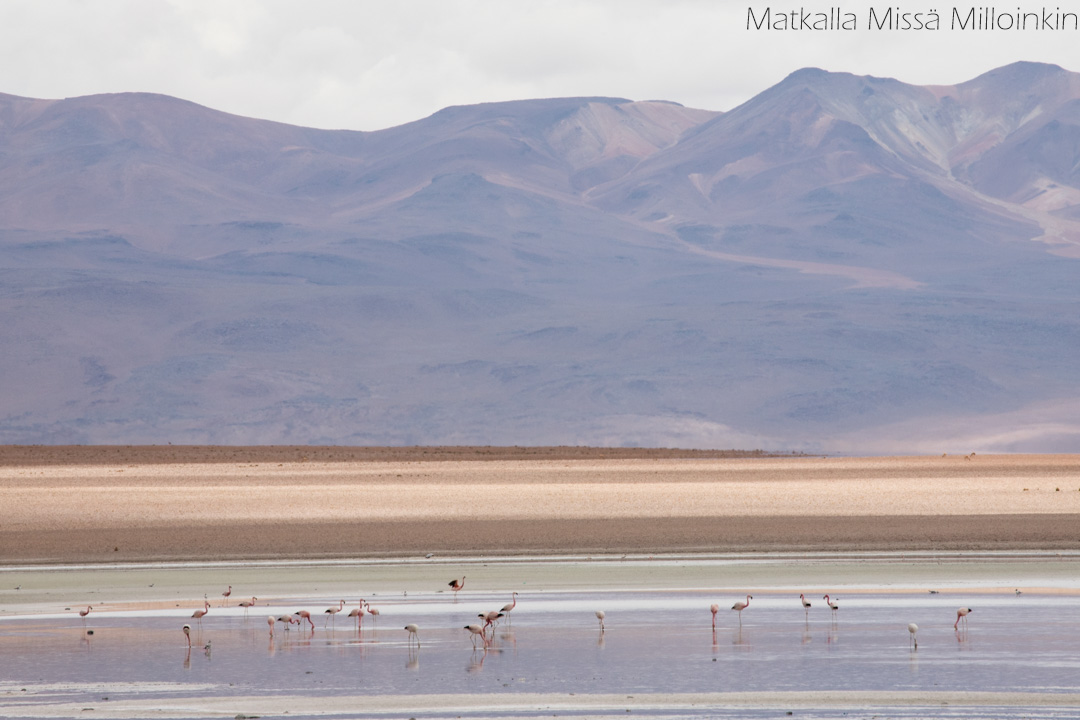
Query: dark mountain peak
x,y
834,82
1019,72
1022,83
541,111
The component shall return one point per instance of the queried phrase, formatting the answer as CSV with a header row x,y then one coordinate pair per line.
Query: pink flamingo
x,y
740,606
358,613
489,617
961,614
414,632
226,595
84,613
304,615
476,630
456,585
270,622
198,614
187,634
287,620
331,612
373,612
714,608
245,604
600,615
509,606
805,605
831,603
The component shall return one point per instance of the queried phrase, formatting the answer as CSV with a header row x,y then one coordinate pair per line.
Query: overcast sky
x,y
366,65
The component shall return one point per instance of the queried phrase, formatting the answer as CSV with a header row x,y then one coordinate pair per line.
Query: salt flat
x,y
127,511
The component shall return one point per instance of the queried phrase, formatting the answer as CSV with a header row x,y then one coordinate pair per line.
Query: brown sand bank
x,y
15,455
260,505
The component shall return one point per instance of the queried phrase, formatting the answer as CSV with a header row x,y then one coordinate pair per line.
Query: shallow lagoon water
x,y
657,655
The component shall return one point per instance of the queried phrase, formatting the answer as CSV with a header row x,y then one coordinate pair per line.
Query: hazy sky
x,y
366,65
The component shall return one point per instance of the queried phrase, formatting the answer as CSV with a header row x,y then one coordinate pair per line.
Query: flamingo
x,y
373,612
226,595
714,608
287,620
456,585
831,603
198,614
600,615
476,630
331,612
961,614
489,617
509,606
805,604
912,628
304,615
358,613
270,622
413,630
84,613
187,634
740,606
245,604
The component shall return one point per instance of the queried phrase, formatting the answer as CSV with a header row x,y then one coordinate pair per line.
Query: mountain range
x,y
841,264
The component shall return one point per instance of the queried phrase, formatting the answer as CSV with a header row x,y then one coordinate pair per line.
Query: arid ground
x,y
94,504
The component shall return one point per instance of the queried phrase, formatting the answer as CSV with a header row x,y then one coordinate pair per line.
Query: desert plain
x,y
125,504
145,533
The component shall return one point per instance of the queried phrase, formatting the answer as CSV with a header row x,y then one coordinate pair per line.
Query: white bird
x,y
831,603
358,613
714,608
509,606
600,615
332,612
413,630
198,614
248,604
961,614
912,628
476,630
740,606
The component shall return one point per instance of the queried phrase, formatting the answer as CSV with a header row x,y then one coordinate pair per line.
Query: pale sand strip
x,y
49,590
492,705
81,512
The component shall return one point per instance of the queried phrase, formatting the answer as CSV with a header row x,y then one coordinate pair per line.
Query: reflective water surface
x,y
654,641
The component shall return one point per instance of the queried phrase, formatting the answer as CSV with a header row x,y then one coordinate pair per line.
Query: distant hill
x,y
842,263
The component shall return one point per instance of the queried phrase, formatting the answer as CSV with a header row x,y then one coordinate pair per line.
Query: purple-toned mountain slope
x,y
842,263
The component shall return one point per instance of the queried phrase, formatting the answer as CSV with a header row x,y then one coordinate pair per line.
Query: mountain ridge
x,y
841,263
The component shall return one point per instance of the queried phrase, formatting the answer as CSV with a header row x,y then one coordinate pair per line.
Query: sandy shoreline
x,y
66,508
561,704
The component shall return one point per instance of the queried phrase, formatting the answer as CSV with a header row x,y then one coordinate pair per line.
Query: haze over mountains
x,y
842,263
